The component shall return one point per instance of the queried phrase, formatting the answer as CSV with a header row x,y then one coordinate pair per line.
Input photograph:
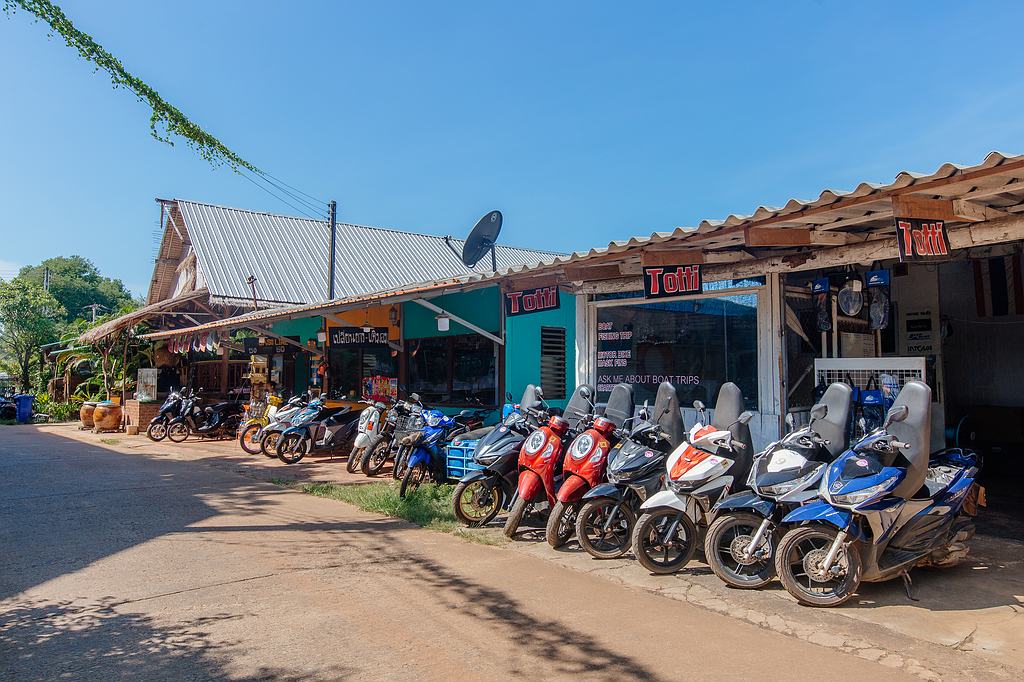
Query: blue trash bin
x,y
23,404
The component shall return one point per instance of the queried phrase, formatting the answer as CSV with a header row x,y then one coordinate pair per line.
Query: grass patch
x,y
285,482
429,506
110,441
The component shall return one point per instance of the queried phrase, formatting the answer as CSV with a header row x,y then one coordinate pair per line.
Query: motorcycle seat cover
x,y
833,427
620,404
915,430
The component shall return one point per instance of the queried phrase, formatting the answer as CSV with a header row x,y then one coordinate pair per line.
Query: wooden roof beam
x,y
949,210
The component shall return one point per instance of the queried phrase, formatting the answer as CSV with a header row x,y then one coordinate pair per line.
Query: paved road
x,y
134,565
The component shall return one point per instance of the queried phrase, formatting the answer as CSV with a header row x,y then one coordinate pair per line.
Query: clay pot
x,y
107,417
85,414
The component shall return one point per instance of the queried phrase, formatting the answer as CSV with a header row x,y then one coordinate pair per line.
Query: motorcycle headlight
x,y
780,489
861,496
535,442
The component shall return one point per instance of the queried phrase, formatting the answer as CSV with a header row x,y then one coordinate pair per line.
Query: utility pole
x,y
94,307
332,207
251,281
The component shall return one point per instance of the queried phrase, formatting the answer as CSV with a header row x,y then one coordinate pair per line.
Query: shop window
x,y
696,344
552,362
350,365
717,285
453,371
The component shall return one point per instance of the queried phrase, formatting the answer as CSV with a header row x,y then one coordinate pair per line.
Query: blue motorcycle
x,y
885,507
427,459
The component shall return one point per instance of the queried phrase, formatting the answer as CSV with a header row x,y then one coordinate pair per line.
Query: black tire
x,y
412,479
231,426
561,523
477,502
724,543
292,448
354,457
660,557
157,431
268,443
246,438
797,552
515,517
376,456
401,458
178,431
590,528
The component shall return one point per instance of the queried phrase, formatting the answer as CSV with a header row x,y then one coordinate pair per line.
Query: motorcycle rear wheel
x,y
795,559
157,431
475,505
250,438
375,457
726,539
178,432
664,557
561,523
268,443
354,458
413,478
590,528
292,448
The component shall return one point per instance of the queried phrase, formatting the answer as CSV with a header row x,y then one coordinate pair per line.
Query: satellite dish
x,y
481,239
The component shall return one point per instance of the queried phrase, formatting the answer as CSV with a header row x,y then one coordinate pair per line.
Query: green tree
x,y
75,282
28,319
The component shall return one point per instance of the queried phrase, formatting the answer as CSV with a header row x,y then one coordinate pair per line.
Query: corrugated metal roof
x,y
831,205
289,255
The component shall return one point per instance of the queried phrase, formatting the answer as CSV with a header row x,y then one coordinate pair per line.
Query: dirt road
x,y
118,565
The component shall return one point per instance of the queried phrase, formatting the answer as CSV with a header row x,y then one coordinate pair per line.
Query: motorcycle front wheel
x,y
798,561
178,432
354,458
268,444
561,523
375,457
292,448
515,517
664,540
401,459
250,437
477,503
412,479
603,531
157,431
724,547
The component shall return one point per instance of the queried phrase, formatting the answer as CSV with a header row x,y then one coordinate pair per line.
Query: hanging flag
x,y
999,286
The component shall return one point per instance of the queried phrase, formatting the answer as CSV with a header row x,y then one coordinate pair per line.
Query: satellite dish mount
x,y
481,239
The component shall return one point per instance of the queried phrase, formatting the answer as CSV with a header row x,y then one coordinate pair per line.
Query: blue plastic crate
x,y
460,459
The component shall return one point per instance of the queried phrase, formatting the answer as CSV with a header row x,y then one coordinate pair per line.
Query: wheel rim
x,y
178,431
271,441
158,430
252,436
804,563
567,521
730,549
617,534
477,501
658,550
417,476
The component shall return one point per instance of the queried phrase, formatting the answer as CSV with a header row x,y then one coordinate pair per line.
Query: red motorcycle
x,y
584,467
541,456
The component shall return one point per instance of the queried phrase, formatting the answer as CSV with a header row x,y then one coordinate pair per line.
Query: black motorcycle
x,y
220,420
636,467
318,428
404,417
481,494
171,409
8,408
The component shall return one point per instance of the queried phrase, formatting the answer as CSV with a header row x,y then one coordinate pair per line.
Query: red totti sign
x,y
531,300
672,280
921,240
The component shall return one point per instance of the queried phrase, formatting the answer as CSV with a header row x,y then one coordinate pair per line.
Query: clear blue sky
x,y
583,122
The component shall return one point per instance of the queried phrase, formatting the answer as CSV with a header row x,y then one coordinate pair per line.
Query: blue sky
x,y
582,121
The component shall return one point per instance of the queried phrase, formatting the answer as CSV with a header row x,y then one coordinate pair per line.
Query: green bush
x,y
58,411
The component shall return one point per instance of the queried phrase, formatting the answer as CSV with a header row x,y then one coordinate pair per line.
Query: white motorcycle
x,y
699,472
370,423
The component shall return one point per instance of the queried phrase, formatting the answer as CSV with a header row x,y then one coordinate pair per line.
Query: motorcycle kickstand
x,y
908,585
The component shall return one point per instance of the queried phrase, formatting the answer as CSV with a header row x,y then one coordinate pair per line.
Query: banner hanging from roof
x,y
662,281
921,240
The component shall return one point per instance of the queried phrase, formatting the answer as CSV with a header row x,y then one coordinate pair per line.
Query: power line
x,y
315,200
315,207
281,199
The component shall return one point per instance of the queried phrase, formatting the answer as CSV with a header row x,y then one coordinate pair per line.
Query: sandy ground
x,y
129,558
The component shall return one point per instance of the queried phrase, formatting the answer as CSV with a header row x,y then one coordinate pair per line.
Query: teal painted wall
x,y
482,307
306,329
522,352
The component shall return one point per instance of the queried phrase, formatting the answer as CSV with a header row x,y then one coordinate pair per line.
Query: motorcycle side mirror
x,y
415,397
745,417
896,414
698,405
862,424
818,412
790,422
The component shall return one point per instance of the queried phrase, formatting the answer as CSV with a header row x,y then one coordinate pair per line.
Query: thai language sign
x,y
356,336
531,300
661,281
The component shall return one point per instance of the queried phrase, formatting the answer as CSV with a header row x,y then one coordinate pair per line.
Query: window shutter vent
x,y
552,362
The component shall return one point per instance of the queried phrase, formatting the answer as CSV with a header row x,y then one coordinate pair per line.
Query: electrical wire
x,y
310,196
316,208
279,198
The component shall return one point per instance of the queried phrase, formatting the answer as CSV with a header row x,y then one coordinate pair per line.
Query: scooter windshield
x,y
859,465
